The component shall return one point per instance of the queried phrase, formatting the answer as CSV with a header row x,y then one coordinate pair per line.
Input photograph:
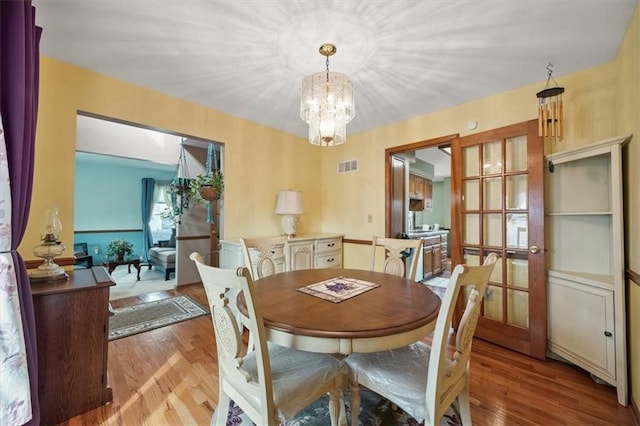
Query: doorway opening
x,y
113,160
418,188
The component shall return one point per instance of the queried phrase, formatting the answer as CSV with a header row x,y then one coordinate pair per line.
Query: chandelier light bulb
x,y
327,104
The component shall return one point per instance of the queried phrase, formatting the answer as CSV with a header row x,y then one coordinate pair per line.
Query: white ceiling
x,y
440,160
405,58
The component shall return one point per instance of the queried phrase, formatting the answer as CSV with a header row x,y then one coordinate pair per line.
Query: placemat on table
x,y
338,289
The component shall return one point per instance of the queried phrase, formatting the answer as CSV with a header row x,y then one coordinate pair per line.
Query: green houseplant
x,y
119,248
207,187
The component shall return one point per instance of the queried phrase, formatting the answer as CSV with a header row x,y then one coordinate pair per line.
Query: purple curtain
x,y
19,71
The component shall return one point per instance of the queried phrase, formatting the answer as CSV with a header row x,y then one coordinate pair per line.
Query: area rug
x,y
151,315
128,286
374,410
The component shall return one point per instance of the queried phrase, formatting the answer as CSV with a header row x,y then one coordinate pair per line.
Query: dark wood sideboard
x,y
72,327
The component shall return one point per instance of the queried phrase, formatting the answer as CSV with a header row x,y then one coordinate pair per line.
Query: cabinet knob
x,y
331,244
534,249
608,333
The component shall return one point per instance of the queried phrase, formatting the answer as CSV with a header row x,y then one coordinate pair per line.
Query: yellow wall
x,y
628,114
259,161
590,114
600,102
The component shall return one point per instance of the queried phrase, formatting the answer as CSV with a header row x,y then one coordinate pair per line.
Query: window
x,y
161,223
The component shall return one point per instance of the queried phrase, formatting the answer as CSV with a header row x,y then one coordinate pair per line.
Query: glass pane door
x,y
497,185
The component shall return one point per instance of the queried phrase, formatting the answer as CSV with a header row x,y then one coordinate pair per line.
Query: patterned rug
x,y
151,315
127,285
374,411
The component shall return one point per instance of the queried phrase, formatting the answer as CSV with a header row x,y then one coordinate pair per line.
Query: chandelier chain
x,y
327,69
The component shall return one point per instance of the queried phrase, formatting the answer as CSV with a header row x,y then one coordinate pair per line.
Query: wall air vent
x,y
347,166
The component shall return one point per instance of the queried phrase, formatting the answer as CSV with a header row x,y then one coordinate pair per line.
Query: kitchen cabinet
x,y
427,261
585,260
72,326
435,258
416,187
428,194
420,193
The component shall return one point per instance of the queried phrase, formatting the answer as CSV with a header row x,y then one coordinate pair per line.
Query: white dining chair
x,y
396,250
422,379
263,257
270,383
266,253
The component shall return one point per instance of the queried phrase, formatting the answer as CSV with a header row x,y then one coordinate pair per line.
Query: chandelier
x,y
550,119
326,104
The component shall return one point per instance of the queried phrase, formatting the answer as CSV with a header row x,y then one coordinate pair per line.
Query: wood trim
x,y
442,140
193,237
389,152
633,276
352,241
105,231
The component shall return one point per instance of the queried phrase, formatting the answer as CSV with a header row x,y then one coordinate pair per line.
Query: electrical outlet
x,y
370,218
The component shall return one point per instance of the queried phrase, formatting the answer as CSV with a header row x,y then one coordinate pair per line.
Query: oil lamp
x,y
50,247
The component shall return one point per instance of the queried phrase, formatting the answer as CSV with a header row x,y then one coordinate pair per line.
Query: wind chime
x,y
550,121
179,186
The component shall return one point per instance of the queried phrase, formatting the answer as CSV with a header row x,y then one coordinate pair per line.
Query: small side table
x,y
134,260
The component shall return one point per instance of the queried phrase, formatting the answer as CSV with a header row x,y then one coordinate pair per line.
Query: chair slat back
x,y
452,374
266,249
395,252
217,284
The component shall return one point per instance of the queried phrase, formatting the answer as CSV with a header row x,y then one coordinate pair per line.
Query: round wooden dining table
x,y
396,313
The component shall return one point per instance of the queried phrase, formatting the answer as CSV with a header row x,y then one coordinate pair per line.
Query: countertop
x,y
421,234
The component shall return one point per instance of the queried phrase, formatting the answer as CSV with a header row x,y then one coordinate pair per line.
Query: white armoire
x,y
585,260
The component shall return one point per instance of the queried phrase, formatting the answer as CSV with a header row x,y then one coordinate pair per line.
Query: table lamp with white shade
x,y
289,205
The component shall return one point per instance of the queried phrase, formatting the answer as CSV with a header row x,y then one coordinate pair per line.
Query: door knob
x,y
534,249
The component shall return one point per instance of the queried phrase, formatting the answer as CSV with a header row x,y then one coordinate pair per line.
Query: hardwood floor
x,y
168,376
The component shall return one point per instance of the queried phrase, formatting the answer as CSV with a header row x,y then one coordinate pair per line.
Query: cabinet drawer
x,y
324,246
332,260
430,241
276,252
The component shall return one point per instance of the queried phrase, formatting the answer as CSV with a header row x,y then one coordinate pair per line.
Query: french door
x,y
497,207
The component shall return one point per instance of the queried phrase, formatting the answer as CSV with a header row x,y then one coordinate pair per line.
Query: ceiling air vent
x,y
347,166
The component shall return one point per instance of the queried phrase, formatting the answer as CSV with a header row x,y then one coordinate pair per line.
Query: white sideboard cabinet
x,y
585,260
313,251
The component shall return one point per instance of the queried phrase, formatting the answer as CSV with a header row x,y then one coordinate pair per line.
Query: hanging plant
x,y
206,187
